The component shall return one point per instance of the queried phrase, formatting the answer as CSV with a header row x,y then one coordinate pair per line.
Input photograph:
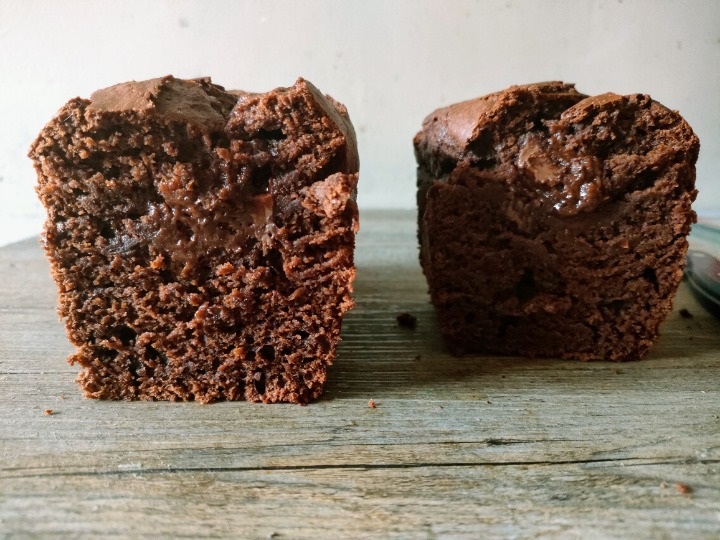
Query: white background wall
x,y
391,62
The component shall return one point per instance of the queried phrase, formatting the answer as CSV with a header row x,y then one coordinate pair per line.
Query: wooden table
x,y
456,448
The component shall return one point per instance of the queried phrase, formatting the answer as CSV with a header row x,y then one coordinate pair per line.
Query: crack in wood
x,y
362,466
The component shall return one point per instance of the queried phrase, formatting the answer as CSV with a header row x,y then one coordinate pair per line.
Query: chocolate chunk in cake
x,y
552,223
202,240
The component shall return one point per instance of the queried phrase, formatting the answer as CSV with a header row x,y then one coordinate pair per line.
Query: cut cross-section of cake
x,y
202,240
552,223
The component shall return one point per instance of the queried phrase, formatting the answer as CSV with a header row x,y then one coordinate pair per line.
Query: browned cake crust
x,y
202,240
552,223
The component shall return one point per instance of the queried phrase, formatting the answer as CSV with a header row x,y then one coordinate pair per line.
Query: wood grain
x,y
477,447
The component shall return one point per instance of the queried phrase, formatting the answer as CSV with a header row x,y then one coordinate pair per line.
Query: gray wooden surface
x,y
455,448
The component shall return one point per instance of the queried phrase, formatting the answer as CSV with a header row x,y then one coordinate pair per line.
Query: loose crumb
x,y
406,320
48,412
685,314
683,488
371,404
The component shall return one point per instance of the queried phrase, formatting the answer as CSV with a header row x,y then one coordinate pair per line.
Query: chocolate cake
x,y
552,223
202,240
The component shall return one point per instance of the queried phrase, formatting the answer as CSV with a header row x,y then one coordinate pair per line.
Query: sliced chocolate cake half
x,y
202,240
552,223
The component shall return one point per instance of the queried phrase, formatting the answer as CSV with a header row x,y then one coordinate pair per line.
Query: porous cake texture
x,y
202,240
552,223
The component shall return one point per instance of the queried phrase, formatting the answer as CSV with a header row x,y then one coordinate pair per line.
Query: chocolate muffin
x,y
202,240
552,223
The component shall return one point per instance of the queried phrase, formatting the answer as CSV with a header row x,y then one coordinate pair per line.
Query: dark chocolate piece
x,y
552,223
202,240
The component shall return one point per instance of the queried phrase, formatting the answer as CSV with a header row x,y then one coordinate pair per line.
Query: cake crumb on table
x,y
407,320
48,412
683,488
685,314
371,404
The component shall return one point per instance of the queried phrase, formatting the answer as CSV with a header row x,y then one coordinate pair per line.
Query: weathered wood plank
x,y
556,501
455,448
